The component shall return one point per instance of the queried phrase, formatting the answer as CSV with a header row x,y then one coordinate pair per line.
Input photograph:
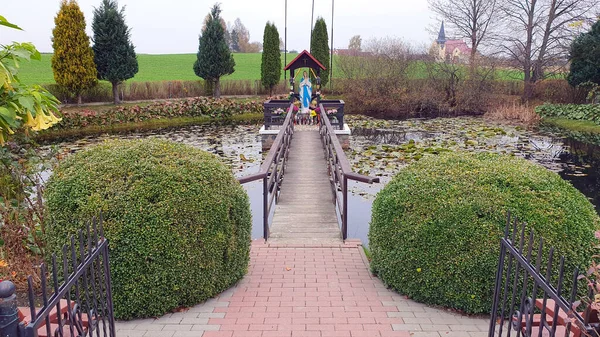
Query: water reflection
x,y
382,148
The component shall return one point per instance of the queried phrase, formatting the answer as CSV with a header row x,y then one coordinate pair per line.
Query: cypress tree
x,y
319,47
270,68
73,58
214,58
585,57
114,54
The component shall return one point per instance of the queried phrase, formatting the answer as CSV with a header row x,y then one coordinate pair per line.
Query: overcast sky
x,y
173,26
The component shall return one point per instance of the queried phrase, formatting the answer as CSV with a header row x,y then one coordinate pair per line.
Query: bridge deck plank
x,y
305,213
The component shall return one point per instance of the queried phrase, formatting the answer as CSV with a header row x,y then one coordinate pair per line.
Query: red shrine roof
x,y
303,55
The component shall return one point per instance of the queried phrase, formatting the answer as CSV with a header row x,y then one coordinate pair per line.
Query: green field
x,y
167,67
172,67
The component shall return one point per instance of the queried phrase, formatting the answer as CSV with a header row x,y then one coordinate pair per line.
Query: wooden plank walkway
x,y
305,213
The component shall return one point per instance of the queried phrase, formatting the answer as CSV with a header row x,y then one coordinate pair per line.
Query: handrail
x,y
339,168
273,168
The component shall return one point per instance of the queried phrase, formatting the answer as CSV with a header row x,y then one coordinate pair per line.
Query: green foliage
x,y
73,59
114,53
436,227
319,48
582,112
270,68
177,221
21,105
193,107
214,58
585,57
583,131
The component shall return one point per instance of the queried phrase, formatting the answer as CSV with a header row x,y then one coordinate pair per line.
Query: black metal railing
x,y
80,303
339,170
533,297
272,169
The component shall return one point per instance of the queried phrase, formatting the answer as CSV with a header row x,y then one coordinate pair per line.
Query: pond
x,y
381,148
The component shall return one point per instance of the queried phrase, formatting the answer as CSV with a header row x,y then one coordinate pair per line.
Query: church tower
x,y
441,40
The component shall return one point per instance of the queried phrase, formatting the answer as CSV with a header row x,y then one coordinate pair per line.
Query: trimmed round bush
x,y
177,221
436,227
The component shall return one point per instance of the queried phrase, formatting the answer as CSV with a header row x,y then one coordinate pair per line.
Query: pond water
x,y
381,148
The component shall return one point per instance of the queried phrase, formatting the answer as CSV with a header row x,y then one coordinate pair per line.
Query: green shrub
x,y
177,221
583,112
436,227
191,107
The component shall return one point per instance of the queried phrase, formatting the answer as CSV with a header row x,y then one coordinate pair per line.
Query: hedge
x,y
436,227
177,221
582,112
191,107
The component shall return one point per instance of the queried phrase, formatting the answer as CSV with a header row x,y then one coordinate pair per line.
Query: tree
x,y
270,68
243,36
355,43
585,57
214,58
234,44
319,47
470,19
21,105
114,54
73,58
538,32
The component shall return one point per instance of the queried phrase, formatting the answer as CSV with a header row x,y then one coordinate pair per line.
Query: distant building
x,y
443,49
350,52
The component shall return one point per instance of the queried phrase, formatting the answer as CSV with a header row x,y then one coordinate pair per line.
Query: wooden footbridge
x,y
311,206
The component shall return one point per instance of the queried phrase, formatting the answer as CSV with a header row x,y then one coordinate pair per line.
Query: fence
x,y
272,169
81,301
536,298
339,168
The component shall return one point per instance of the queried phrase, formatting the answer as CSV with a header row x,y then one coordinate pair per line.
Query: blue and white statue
x,y
305,93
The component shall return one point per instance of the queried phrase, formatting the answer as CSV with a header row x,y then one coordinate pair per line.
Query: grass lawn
x,y
167,67
573,125
172,67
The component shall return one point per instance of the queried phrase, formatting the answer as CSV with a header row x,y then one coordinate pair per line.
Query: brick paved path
x,y
310,290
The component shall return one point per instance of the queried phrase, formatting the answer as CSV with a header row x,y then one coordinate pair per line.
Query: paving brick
x,y
187,334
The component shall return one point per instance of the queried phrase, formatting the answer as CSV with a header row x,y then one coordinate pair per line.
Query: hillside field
x,y
173,67
165,67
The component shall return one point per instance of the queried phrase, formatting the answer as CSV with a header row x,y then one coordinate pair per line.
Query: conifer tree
x,y
270,68
214,58
73,58
319,47
114,54
585,57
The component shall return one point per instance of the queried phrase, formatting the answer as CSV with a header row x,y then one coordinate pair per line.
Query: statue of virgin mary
x,y
305,93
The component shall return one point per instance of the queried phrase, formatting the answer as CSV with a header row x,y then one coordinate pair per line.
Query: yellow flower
x,y
3,264
1,138
30,120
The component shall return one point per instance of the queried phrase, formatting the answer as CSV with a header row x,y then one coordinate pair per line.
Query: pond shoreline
x,y
153,124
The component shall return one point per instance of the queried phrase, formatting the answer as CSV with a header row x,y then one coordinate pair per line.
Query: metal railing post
x,y
265,208
9,317
345,209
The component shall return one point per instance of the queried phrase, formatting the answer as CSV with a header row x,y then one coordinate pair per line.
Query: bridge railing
x,y
339,168
273,168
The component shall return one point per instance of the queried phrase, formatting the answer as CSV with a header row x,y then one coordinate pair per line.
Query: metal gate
x,y
534,295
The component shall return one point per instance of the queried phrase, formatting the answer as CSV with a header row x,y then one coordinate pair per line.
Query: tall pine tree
x,y
585,57
114,54
214,58
270,68
319,47
73,58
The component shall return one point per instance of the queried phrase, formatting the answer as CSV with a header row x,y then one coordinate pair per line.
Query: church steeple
x,y
441,40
